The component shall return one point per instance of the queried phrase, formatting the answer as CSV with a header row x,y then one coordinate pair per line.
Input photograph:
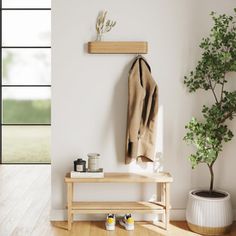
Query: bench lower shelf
x,y
116,207
160,206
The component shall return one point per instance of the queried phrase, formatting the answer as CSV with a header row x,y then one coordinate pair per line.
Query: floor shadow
x,y
99,224
60,224
180,224
152,229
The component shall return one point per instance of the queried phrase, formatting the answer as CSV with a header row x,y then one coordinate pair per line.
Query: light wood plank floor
x,y
25,207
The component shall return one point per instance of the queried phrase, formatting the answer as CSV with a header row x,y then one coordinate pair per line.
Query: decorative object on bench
x,y
103,25
93,161
158,162
93,170
210,211
79,165
159,206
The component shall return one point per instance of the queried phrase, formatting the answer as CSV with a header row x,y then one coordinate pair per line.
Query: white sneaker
x,y
110,222
127,222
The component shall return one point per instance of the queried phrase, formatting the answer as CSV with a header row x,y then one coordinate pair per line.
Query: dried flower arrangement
x,y
102,25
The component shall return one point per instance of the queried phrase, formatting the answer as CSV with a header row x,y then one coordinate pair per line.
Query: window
x,y
25,81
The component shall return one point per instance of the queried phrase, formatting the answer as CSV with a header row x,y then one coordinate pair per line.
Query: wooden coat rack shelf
x,y
111,47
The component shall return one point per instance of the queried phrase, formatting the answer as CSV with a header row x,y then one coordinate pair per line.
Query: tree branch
x,y
231,113
214,85
212,177
213,90
222,87
222,91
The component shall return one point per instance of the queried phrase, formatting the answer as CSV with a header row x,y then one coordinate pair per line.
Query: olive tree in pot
x,y
209,211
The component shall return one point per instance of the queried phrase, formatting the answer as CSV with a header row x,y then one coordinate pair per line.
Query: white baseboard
x,y
177,214
61,215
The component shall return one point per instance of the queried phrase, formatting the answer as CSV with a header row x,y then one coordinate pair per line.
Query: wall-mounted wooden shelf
x,y
110,47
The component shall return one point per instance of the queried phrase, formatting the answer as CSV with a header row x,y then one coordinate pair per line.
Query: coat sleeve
x,y
135,98
150,103
154,106
135,104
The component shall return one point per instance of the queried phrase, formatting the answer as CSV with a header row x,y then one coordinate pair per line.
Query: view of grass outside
x,y
26,144
26,111
26,81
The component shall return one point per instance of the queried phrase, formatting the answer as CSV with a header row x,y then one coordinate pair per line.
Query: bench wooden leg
x,y
69,204
162,199
167,204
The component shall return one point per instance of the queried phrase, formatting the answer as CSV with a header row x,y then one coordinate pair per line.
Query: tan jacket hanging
x,y
142,113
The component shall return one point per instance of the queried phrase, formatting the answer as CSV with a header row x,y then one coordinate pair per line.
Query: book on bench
x,y
88,174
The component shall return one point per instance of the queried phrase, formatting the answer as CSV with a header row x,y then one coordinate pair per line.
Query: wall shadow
x,y
119,113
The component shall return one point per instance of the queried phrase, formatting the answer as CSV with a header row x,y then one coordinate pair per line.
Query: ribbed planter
x,y
209,216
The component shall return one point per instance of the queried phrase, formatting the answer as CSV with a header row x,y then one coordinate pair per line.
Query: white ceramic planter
x,y
209,216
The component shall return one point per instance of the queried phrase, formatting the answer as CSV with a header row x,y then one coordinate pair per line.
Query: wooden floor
x,y
25,207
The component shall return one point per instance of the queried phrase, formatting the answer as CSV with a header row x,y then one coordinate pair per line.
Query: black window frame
x,y
2,86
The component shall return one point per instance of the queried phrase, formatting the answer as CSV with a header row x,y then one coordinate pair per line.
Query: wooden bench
x,y
159,207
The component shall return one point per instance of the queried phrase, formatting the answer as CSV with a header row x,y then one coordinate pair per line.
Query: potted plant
x,y
209,211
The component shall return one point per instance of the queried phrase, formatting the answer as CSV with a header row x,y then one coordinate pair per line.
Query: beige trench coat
x,y
142,113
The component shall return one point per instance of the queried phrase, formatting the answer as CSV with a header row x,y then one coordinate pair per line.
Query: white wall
x,y
89,93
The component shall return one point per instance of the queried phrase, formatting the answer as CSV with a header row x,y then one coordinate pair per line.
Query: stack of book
x,y
87,174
